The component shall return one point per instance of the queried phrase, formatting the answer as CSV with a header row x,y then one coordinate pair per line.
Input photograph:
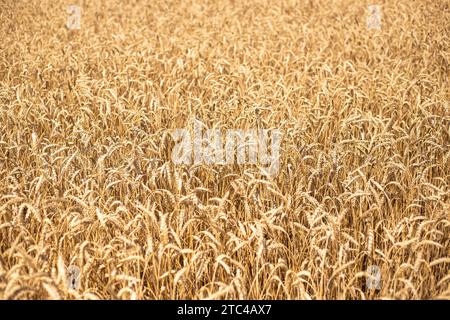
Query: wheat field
x,y
87,180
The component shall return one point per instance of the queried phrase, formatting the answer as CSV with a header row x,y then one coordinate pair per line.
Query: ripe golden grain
x,y
87,179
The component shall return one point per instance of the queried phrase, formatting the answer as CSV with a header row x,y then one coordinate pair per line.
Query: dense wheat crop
x,y
87,177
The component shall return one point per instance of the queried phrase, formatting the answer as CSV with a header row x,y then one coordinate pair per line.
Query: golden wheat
x,y
87,180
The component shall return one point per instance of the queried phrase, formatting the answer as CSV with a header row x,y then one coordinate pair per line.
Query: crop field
x,y
110,109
